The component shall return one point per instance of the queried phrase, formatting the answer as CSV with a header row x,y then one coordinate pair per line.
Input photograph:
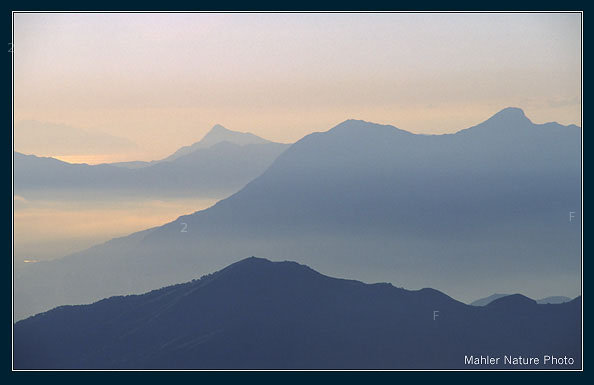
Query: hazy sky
x,y
110,87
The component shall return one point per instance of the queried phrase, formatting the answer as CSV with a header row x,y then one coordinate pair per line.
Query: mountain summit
x,y
510,114
508,119
218,134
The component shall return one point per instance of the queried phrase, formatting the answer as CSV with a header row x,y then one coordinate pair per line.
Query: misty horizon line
x,y
63,158
242,260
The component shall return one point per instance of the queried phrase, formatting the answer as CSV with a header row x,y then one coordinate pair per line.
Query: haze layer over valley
x,y
483,209
61,208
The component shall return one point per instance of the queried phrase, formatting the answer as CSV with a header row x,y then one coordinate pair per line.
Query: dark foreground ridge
x,y
257,314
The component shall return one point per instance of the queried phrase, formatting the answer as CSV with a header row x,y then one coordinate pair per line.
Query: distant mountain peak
x,y
512,301
508,119
218,128
251,265
358,123
250,261
216,135
512,110
511,115
548,300
357,126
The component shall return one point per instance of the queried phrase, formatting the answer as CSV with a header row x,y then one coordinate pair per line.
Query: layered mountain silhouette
x,y
487,300
257,314
220,164
216,135
548,300
482,209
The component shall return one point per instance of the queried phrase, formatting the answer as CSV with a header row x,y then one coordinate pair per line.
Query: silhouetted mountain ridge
x,y
512,302
283,315
547,300
510,115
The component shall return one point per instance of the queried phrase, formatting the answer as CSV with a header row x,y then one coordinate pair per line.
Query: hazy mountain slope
x,y
133,164
219,169
224,167
260,314
485,208
32,172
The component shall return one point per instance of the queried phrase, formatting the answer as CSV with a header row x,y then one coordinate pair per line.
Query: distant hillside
x,y
218,165
257,314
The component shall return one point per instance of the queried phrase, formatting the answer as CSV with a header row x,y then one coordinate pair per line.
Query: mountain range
x,y
485,208
258,314
548,300
218,165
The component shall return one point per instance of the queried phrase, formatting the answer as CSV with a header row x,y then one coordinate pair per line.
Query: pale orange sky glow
x,y
139,86
52,229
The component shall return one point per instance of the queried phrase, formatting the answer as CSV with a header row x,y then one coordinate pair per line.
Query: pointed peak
x,y
218,134
219,128
355,122
252,261
361,121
